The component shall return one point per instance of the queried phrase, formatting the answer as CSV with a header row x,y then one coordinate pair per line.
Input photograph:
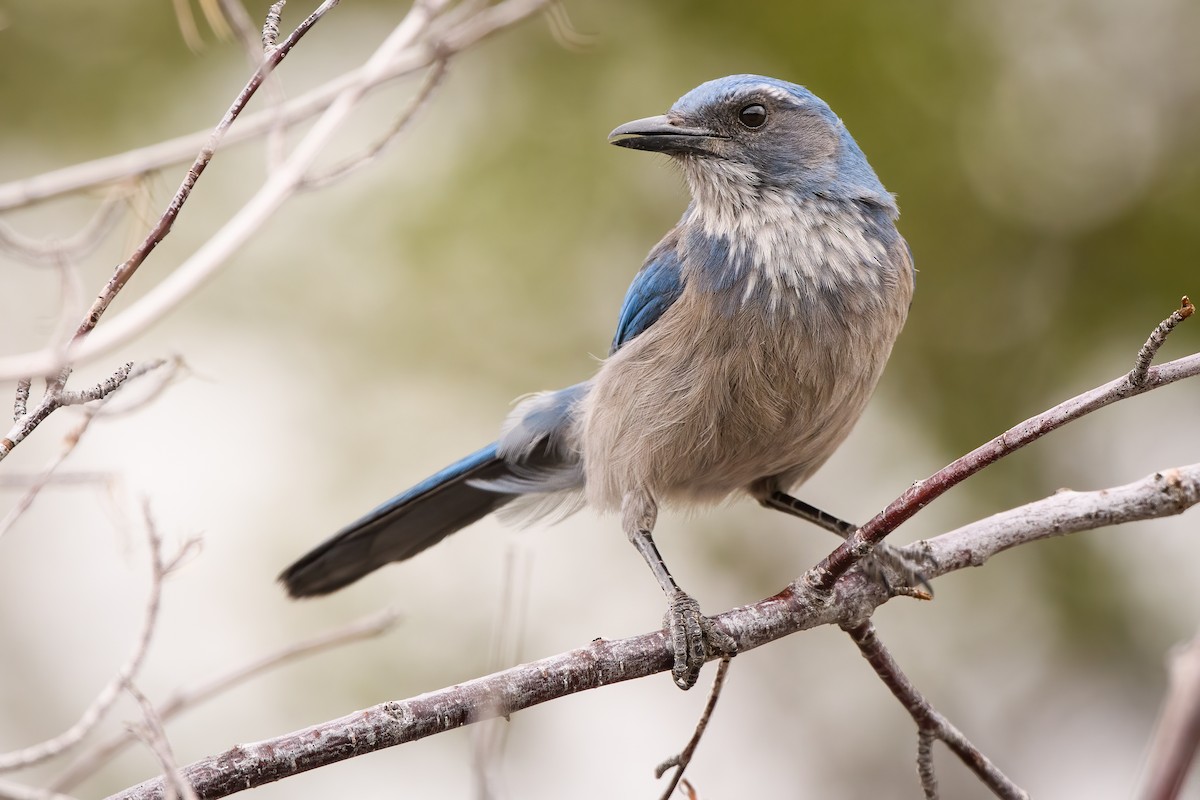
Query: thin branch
x,y
107,170
1177,734
151,732
21,401
270,31
55,398
17,791
70,441
1164,493
53,251
433,79
105,387
159,568
182,700
1141,365
234,13
922,493
683,758
488,740
398,52
61,478
565,32
929,721
126,270
852,599
925,772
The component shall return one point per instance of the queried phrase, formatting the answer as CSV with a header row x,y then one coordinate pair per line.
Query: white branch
x,y
401,52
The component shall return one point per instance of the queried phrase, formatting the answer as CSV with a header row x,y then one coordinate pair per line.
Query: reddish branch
x,y
125,271
930,724
853,600
1140,379
829,594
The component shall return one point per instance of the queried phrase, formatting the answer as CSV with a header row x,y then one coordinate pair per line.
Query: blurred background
x,y
1046,161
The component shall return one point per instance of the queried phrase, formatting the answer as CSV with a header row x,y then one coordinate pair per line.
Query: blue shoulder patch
x,y
654,289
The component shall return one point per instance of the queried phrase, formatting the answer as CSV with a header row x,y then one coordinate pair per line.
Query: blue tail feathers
x,y
403,526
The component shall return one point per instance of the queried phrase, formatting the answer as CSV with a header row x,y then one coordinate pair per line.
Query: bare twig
x,y
397,54
54,251
17,791
184,699
683,758
851,601
143,160
21,401
433,79
104,387
151,732
19,480
242,27
187,25
43,478
1168,492
126,270
159,567
928,720
1177,734
564,31
1141,365
925,771
270,31
55,398
848,601
922,493
489,739
60,352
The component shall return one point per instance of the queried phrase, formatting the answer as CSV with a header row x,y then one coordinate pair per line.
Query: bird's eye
x,y
753,116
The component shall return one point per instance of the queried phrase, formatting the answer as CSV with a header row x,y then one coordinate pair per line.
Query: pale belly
x,y
705,404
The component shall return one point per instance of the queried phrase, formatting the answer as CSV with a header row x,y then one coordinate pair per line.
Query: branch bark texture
x,y
851,601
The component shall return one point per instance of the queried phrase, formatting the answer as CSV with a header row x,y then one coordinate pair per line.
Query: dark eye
x,y
753,116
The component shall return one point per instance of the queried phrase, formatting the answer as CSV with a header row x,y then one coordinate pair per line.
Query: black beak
x,y
662,135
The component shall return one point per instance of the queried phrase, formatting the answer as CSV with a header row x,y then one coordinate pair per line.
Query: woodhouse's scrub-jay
x,y
746,349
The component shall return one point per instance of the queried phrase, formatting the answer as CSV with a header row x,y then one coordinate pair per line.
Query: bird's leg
x,y
692,634
883,553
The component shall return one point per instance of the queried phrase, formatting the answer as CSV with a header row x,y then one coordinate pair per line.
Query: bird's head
x,y
749,135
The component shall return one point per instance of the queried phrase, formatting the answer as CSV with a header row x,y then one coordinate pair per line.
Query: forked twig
x,y
822,577
159,568
684,757
183,699
929,721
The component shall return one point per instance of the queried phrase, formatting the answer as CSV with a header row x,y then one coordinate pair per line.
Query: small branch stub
x,y
270,33
1141,365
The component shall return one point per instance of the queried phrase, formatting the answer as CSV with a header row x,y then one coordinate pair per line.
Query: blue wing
x,y
654,289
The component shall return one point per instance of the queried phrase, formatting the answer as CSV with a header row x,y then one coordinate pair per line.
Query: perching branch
x,y
821,597
922,493
602,663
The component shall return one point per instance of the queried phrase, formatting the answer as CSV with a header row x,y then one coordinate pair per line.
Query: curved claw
x,y
885,555
685,624
693,638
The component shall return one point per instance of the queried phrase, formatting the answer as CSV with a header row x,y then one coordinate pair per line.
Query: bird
x,y
746,348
